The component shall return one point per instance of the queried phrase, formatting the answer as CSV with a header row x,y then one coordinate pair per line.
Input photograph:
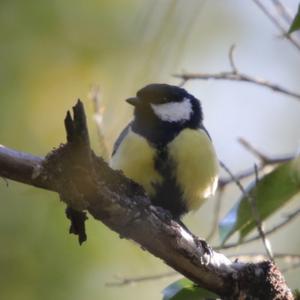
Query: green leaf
x,y
296,22
271,192
185,289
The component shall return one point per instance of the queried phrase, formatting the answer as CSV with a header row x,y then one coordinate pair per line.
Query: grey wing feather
x,y
203,128
121,138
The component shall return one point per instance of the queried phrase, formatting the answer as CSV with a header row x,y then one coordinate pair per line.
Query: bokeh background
x,y
52,52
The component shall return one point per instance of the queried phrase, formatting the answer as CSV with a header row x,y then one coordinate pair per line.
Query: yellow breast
x,y
194,164
196,168
136,158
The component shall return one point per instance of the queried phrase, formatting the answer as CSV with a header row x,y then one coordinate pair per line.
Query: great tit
x,y
167,150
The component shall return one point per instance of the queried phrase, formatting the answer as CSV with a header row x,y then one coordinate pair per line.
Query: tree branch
x,y
277,23
265,161
22,167
282,11
86,183
288,218
255,213
238,76
217,209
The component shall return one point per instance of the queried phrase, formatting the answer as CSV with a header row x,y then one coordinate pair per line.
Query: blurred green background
x,y
52,52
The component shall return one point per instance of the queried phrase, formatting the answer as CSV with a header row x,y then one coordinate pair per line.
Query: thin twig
x,y
231,59
277,23
217,210
282,11
235,75
249,172
288,218
265,161
131,280
262,157
99,109
239,176
238,77
254,211
259,222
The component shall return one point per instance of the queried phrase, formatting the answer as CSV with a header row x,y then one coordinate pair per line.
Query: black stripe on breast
x,y
168,194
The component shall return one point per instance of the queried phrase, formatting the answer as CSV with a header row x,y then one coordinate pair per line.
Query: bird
x,y
167,150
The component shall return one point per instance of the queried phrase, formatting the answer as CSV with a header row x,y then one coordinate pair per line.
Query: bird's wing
x,y
205,130
120,138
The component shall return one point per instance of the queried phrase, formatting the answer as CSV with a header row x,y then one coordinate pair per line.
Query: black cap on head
x,y
161,93
158,122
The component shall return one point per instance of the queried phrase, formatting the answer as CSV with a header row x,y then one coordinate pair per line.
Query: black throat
x,y
159,133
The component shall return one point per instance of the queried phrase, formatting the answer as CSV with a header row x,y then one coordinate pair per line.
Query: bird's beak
x,y
133,101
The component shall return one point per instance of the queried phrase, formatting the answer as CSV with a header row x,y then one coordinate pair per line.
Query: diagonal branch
x,y
282,11
277,23
86,183
255,214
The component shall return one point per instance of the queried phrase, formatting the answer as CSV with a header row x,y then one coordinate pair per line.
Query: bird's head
x,y
166,104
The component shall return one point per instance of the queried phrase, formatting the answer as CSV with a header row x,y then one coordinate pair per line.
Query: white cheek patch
x,y
174,111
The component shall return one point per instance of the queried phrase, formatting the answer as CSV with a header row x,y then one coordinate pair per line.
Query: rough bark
x,y
86,184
